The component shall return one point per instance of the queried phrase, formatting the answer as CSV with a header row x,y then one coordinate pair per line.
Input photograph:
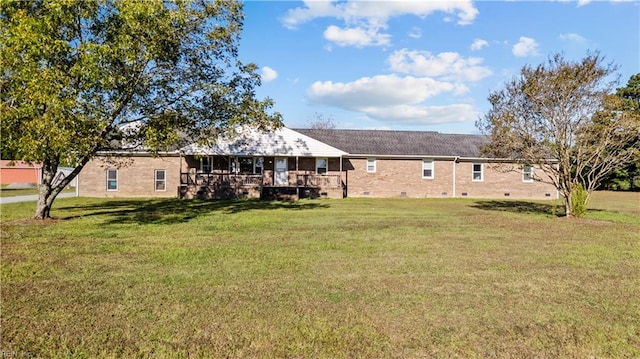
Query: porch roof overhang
x,y
283,142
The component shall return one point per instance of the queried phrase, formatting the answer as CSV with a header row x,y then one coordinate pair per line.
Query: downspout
x,y
339,177
345,184
455,162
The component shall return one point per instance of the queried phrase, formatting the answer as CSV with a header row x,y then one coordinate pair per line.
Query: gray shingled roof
x,y
399,143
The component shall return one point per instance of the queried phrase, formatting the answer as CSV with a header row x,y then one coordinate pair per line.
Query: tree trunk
x,y
47,194
48,191
568,207
568,200
43,210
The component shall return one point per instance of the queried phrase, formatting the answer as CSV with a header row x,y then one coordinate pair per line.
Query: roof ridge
x,y
387,131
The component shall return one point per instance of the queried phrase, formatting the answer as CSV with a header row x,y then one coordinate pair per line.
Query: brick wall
x,y
393,178
403,178
501,181
398,178
136,176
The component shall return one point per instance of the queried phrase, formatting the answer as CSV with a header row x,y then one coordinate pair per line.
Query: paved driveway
x,y
33,197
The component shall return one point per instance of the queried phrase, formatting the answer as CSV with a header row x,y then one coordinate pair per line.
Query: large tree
x,y
560,116
75,73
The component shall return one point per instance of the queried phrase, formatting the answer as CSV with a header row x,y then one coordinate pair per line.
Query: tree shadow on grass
x,y
172,211
550,209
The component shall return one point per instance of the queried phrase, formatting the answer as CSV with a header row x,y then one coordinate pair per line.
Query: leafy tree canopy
x,y
563,117
631,93
75,73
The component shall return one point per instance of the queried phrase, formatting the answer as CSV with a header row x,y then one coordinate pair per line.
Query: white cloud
x,y
526,46
377,91
425,115
415,33
358,37
268,74
478,44
572,37
579,3
449,66
355,10
393,98
312,9
364,19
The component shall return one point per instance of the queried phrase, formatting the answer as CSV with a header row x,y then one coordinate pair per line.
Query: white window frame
x,y
527,174
258,162
326,165
428,164
281,174
209,161
473,172
115,179
372,165
239,164
157,181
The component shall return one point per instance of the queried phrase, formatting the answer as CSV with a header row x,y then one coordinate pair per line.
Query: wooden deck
x,y
227,186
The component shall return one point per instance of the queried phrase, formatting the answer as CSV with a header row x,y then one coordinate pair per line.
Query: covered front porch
x,y
290,178
283,164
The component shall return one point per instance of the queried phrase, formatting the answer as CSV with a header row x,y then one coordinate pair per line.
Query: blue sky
x,y
420,65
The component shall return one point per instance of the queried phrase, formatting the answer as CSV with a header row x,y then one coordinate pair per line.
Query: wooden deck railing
x,y
320,181
221,180
233,180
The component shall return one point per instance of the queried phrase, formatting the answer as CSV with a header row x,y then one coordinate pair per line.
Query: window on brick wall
x,y
160,180
371,165
206,164
477,172
258,165
245,164
322,166
112,180
527,173
427,169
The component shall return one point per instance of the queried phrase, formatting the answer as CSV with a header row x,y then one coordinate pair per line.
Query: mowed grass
x,y
352,278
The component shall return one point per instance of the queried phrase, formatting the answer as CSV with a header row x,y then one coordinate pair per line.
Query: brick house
x,y
292,164
282,164
429,164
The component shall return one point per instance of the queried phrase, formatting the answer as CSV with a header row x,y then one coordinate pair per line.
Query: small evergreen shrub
x,y
579,200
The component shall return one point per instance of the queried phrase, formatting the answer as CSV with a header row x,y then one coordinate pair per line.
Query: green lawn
x,y
353,278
